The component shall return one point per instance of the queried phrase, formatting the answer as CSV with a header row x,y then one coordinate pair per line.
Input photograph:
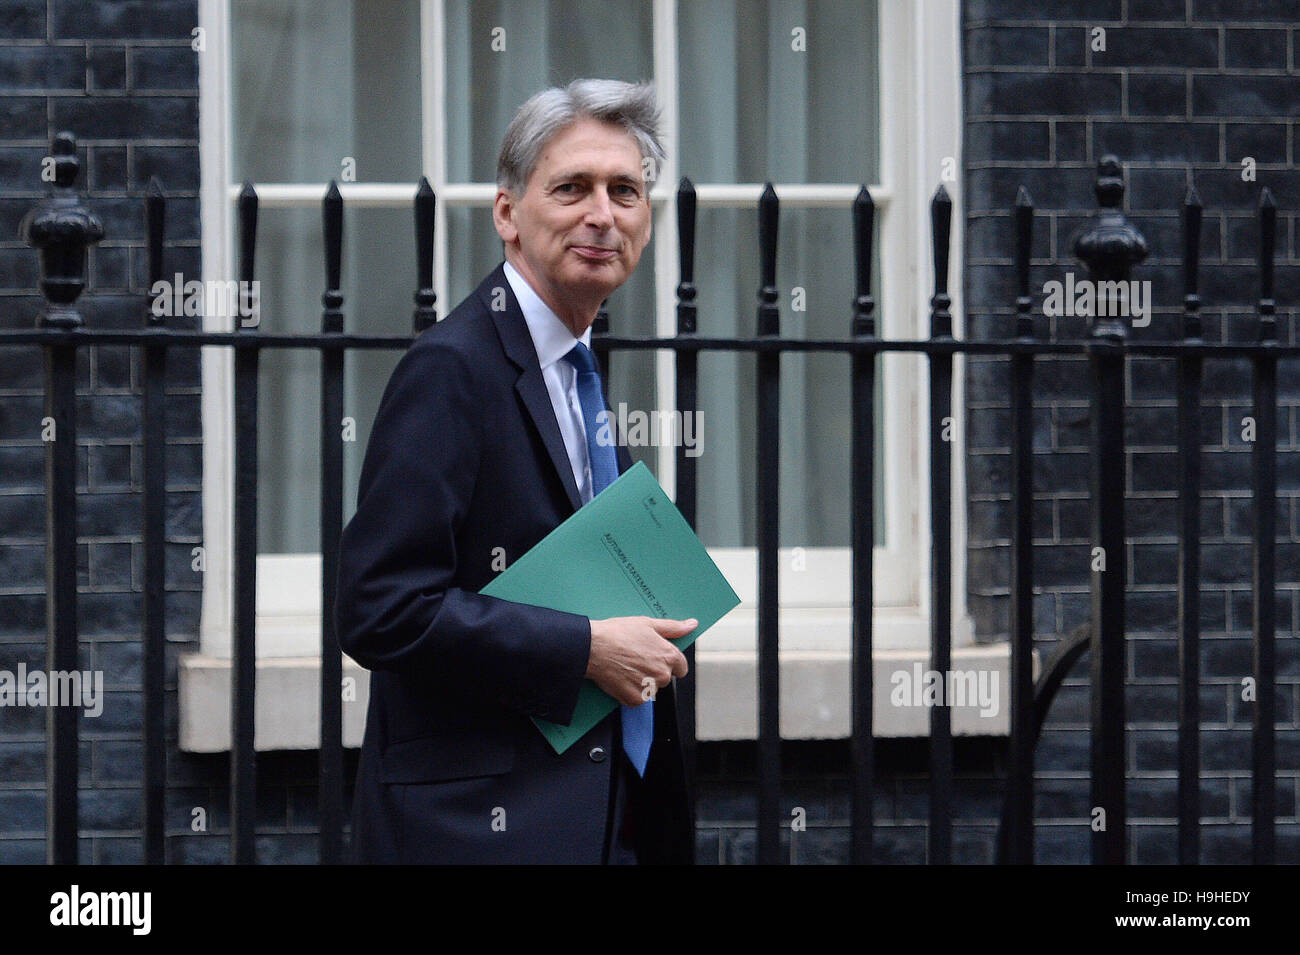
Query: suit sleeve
x,y
396,607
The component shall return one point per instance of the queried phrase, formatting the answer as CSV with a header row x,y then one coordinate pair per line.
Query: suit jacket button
x,y
597,754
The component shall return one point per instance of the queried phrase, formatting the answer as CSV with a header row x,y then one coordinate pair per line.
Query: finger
x,y
679,665
676,627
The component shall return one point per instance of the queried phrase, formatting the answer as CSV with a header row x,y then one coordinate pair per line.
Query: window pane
x,y
815,255
378,283
500,52
318,83
754,109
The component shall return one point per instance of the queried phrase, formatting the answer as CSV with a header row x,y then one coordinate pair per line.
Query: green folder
x,y
626,553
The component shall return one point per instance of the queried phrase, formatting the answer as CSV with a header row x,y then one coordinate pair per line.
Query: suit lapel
x,y
531,386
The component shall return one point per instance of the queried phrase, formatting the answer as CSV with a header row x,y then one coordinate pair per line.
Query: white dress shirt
x,y
553,340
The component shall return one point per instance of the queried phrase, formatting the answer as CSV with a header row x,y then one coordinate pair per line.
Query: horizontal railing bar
x,y
181,338
399,195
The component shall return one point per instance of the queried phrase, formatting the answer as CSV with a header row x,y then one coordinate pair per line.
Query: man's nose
x,y
599,211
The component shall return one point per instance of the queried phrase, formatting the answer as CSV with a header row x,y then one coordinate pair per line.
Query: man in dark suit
x,y
482,446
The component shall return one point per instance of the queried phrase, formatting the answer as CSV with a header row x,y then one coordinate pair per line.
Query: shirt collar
x,y
551,337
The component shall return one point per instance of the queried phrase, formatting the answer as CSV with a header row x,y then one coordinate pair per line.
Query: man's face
x,y
584,218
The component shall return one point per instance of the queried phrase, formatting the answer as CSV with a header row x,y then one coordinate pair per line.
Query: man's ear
x,y
503,216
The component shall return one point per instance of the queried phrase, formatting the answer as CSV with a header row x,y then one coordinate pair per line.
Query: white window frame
x,y
921,122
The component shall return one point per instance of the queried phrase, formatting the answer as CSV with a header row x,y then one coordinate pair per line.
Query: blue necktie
x,y
638,721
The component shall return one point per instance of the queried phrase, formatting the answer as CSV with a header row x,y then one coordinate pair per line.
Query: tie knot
x,y
581,358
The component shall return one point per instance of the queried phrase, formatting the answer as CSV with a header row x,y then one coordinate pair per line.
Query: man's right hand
x,y
629,652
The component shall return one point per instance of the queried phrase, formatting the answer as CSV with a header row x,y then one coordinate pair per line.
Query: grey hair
x,y
630,105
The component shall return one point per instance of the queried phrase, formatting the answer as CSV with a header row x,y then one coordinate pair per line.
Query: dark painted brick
x,y
820,846
1151,845
894,845
101,809
1264,142
287,849
1006,46
1255,49
22,19
19,268
1088,10
1069,844
164,68
118,850
1043,93
1283,10
22,515
707,847
110,269
1158,189
163,117
118,760
1286,795
1158,797
1071,46
22,761
1235,96
135,19
25,117
1226,190
108,170
1009,141
22,811
1225,844
1158,10
1071,141
1063,749
1158,47
173,165
108,68
1135,142
738,846
207,849
42,68
1157,94
110,466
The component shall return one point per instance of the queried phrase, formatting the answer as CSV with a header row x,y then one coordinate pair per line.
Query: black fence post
x,y
61,228
1189,547
1264,480
862,495
769,462
1018,829
940,448
425,313
154,504
331,531
687,397
1110,249
243,663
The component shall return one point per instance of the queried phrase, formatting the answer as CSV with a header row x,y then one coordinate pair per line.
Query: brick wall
x,y
122,77
1183,92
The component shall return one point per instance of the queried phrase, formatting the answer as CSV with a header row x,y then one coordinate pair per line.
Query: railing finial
x,y
61,228
1112,245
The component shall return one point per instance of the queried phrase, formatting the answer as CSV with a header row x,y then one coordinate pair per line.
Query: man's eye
x,y
568,188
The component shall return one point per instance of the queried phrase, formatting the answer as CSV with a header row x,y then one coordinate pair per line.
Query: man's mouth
x,y
595,253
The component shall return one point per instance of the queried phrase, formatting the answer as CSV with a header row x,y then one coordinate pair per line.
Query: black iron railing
x,y
62,229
